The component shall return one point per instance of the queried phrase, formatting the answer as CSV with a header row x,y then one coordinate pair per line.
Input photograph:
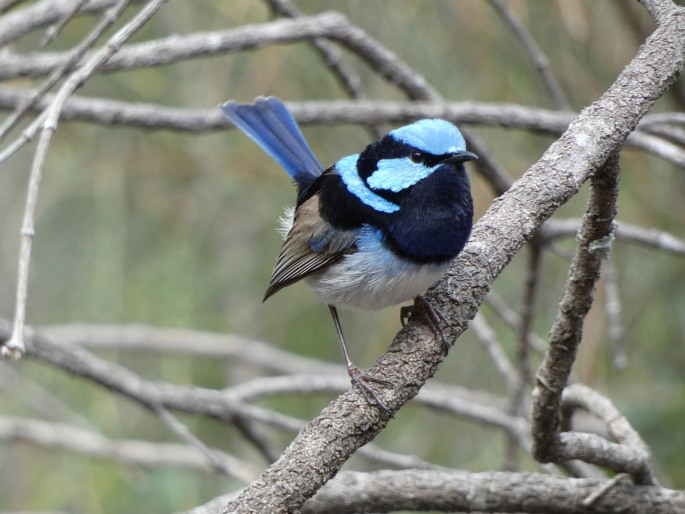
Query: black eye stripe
x,y
433,160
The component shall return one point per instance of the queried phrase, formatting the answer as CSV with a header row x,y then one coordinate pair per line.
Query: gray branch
x,y
130,452
566,333
329,25
492,492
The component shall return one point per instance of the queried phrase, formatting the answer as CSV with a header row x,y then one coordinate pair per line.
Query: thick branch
x,y
387,491
159,117
618,428
455,491
330,25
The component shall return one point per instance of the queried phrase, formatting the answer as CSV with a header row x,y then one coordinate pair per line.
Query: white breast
x,y
373,277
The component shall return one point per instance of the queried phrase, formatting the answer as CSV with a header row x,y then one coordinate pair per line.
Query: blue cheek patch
x,y
397,174
347,167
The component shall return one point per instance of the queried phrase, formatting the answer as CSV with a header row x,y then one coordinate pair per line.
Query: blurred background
x,y
178,230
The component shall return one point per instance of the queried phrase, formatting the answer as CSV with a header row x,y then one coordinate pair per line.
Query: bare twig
x,y
333,58
75,55
618,427
223,405
525,325
330,25
54,30
151,116
626,233
184,434
488,339
523,337
509,316
592,498
565,335
15,346
43,13
537,56
137,337
478,406
131,452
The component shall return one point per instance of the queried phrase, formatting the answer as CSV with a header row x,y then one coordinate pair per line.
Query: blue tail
x,y
269,123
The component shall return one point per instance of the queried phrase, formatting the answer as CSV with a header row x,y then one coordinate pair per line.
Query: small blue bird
x,y
375,229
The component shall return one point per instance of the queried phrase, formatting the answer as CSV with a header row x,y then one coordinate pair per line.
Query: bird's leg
x,y
359,378
433,316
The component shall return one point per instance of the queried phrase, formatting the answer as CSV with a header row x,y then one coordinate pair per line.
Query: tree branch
x,y
492,492
130,452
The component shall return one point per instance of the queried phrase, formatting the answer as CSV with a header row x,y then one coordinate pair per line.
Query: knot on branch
x,y
602,247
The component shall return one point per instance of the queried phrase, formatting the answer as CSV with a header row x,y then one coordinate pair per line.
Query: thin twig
x,y
624,232
14,348
603,489
163,340
223,405
618,427
537,56
511,318
75,55
41,14
54,30
349,80
333,58
183,433
488,339
131,452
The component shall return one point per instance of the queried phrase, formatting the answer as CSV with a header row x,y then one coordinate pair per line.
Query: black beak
x,y
459,157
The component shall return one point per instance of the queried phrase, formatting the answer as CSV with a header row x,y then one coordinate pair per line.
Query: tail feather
x,y
269,123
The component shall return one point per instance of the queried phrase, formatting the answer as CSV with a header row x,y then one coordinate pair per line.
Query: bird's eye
x,y
416,157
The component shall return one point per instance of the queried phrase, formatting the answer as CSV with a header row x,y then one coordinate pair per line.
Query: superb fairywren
x,y
375,229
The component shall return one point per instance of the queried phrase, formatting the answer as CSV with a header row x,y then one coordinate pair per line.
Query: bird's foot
x,y
360,380
433,317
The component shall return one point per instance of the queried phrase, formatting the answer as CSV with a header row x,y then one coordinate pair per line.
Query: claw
x,y
361,379
433,317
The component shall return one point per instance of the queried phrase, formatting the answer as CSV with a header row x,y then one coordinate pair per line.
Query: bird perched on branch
x,y
375,229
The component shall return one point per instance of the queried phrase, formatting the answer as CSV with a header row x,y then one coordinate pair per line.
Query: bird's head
x,y
410,154
386,171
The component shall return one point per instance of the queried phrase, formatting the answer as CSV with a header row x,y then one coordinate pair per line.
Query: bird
x,y
375,229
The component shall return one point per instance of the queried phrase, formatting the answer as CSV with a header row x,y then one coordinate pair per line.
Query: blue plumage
x,y
269,123
431,136
377,228
347,168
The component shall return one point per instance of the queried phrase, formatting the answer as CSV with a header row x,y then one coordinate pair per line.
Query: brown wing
x,y
297,257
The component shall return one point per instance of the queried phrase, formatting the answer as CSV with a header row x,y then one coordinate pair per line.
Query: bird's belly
x,y
373,279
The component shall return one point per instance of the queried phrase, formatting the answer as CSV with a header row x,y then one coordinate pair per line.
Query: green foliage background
x,y
177,230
